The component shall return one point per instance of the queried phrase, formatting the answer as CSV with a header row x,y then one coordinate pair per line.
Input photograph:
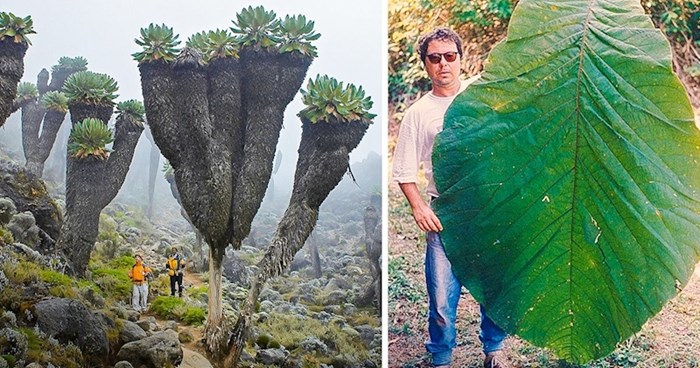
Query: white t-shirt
x,y
422,121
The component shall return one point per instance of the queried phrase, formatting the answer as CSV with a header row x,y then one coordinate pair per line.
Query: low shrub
x,y
194,316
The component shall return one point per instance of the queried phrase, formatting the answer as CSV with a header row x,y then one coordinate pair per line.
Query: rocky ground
x,y
304,320
669,340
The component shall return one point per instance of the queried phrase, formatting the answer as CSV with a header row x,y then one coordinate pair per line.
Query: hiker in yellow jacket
x,y
176,268
139,274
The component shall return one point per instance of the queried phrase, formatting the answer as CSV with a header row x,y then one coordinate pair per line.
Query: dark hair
x,y
438,34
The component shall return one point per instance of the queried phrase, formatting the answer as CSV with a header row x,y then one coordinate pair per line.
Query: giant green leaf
x,y
569,177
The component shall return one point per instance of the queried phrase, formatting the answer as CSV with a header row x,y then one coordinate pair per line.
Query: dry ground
x,y
669,340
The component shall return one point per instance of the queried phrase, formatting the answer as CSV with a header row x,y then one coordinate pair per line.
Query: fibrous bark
x,y
315,257
91,183
324,155
40,125
152,173
11,71
231,113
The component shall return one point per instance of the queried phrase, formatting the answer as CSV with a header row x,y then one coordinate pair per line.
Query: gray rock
x,y
236,271
162,349
7,210
313,344
337,297
8,319
29,194
32,254
193,359
70,321
95,299
271,295
13,343
148,324
3,363
185,337
368,333
24,229
3,280
33,365
130,331
170,325
120,311
267,306
349,309
123,364
272,356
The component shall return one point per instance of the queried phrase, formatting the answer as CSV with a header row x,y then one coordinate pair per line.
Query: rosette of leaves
x,y
214,44
89,138
198,41
167,170
328,100
134,109
257,27
54,100
70,64
16,28
91,87
26,91
159,42
296,34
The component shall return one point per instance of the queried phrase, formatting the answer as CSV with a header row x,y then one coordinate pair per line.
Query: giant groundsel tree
x,y
568,177
43,114
227,91
94,174
13,46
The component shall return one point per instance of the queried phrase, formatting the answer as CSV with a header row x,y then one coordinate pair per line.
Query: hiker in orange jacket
x,y
175,267
139,275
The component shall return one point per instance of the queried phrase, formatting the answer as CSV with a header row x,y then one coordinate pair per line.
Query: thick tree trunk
x,y
37,156
324,154
217,328
11,71
92,183
373,247
270,82
79,111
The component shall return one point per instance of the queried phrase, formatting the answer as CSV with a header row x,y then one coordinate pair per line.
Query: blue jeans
x,y
443,295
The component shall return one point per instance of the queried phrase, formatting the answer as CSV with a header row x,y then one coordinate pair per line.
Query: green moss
x,y
62,291
167,307
11,297
197,292
113,277
22,272
194,316
10,359
41,351
290,331
6,236
55,278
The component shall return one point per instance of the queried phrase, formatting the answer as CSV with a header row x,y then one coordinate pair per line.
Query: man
x,y
138,274
441,53
175,267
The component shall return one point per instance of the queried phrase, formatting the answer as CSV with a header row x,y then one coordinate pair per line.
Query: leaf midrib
x,y
586,27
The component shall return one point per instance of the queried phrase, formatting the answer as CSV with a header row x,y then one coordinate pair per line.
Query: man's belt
x,y
139,282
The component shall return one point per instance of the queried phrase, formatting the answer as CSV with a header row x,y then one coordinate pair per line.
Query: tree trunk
x,y
91,183
80,111
270,82
11,71
373,247
217,328
324,154
315,258
44,143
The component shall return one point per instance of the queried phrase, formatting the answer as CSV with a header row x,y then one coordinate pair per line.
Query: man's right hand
x,y
422,213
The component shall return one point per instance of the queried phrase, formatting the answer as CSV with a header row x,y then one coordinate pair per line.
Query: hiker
x,y
139,274
175,267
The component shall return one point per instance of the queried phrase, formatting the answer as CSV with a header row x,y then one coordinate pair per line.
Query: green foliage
x,y
91,87
42,351
296,34
112,277
89,138
26,91
22,272
197,292
16,28
558,181
257,27
55,278
677,18
54,100
133,109
482,13
214,44
167,170
158,42
167,306
329,101
194,316
70,64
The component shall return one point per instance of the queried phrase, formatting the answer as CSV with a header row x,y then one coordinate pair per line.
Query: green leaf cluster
x,y
677,18
296,34
16,28
54,100
214,44
70,64
159,42
133,109
257,27
91,87
329,101
167,170
26,91
89,138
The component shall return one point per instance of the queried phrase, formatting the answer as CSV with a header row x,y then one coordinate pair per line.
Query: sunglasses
x,y
437,57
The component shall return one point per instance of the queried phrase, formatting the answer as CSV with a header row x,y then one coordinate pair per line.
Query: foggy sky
x,y
350,48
